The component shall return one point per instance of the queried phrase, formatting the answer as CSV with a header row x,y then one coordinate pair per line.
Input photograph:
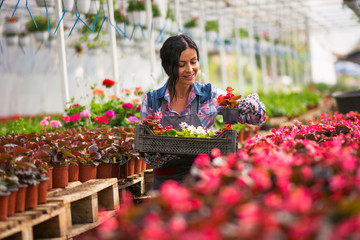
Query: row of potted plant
x,y
28,160
300,182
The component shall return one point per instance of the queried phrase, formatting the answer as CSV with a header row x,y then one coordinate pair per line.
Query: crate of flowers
x,y
150,137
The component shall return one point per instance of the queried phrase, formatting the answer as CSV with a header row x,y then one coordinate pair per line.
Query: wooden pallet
x,y
68,212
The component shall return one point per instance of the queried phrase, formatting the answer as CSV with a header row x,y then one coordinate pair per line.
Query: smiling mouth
x,y
189,76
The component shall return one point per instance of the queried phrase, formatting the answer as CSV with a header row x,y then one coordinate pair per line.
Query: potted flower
x,y
88,162
40,30
211,29
136,12
192,25
230,104
24,38
11,38
11,25
158,21
45,3
4,200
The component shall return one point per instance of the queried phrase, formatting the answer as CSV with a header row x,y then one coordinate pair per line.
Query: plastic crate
x,y
147,142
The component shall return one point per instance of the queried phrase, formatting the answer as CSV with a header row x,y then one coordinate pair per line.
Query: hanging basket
x,y
82,6
94,7
45,3
158,23
41,36
68,5
138,17
12,27
24,40
11,40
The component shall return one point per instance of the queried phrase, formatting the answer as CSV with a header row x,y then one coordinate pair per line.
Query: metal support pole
x,y
62,53
114,55
204,49
151,40
239,64
221,46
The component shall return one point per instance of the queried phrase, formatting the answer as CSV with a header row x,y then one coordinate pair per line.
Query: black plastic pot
x,y
347,101
230,115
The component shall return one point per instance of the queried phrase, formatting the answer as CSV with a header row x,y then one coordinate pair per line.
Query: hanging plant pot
x,y
138,17
12,202
45,3
87,172
230,115
41,36
94,7
31,200
73,172
195,33
4,201
211,36
82,5
60,176
24,40
20,198
12,27
12,40
158,23
139,34
68,5
104,170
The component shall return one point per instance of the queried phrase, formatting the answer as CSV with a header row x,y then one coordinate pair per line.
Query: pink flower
x,y
177,224
75,105
261,178
215,152
167,128
158,115
202,160
75,117
337,182
110,114
176,196
138,108
128,105
300,200
230,196
65,118
85,113
55,123
44,122
133,119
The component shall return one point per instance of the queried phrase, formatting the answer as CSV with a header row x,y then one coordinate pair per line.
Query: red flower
x,y
75,117
128,105
108,83
101,120
229,89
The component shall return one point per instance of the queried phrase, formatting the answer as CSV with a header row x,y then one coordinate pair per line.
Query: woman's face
x,y
188,67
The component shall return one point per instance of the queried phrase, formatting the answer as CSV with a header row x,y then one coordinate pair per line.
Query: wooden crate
x,y
68,212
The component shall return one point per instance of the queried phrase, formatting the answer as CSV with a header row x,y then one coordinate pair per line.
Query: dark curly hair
x,y
170,54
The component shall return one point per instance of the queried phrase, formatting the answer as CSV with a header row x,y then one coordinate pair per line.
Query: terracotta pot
x,y
42,191
49,175
247,134
87,172
60,176
143,163
73,172
124,171
241,136
131,166
104,170
138,165
12,202
20,199
31,199
148,166
4,201
115,172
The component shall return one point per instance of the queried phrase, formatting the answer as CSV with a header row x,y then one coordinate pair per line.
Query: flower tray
x,y
147,142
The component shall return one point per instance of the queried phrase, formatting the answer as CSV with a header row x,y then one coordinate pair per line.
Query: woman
x,y
182,99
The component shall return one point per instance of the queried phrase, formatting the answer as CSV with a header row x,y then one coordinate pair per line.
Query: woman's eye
x,y
181,65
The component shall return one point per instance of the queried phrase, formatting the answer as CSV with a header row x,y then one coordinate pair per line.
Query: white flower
x,y
191,129
201,130
183,125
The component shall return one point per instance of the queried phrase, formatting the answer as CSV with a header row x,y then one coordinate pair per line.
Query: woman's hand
x,y
250,105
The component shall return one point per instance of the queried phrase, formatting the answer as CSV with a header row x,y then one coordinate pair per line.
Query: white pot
x,y
158,23
195,33
11,40
45,3
94,7
12,27
41,36
68,5
24,40
211,35
138,17
82,5
139,35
